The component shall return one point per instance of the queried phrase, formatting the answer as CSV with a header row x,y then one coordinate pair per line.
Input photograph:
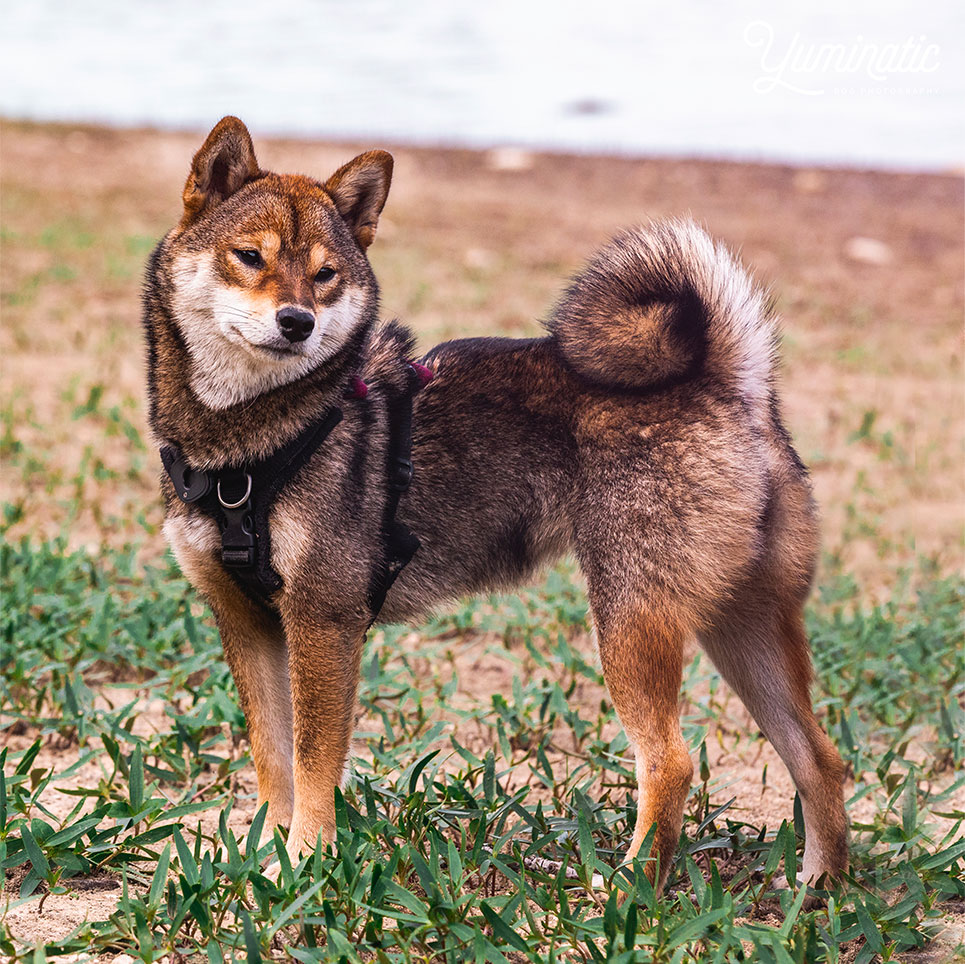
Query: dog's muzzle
x,y
296,324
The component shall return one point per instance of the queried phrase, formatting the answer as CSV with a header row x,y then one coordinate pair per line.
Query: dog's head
x,y
268,274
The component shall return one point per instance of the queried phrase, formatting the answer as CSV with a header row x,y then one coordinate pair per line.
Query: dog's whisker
x,y
237,312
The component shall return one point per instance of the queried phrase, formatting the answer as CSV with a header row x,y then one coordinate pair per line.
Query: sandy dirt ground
x,y
865,268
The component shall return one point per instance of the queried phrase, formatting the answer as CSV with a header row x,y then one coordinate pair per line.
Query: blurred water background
x,y
863,83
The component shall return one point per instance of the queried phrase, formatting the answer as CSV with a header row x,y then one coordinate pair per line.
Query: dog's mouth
x,y
280,350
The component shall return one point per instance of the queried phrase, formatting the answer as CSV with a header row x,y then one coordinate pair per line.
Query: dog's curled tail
x,y
663,304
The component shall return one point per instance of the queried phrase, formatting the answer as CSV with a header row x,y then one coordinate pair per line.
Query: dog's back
x,y
650,407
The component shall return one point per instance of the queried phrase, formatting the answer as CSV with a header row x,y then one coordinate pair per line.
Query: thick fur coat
x,y
642,433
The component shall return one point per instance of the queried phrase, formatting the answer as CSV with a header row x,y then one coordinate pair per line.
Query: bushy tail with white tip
x,y
662,304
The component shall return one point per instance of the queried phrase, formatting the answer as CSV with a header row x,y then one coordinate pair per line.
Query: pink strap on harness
x,y
358,389
425,375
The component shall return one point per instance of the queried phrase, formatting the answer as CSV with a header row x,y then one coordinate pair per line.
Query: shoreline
x,y
594,152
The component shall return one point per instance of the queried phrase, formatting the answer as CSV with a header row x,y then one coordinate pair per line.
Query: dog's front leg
x,y
254,646
324,657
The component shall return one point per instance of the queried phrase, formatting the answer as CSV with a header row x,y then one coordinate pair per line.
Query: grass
x,y
475,826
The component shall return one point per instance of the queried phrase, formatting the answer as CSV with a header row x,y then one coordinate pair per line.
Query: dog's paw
x,y
814,900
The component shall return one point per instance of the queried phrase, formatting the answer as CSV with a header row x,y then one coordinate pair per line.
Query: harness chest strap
x,y
240,499
399,543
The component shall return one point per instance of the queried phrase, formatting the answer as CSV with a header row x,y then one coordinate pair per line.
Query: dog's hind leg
x,y
761,649
642,659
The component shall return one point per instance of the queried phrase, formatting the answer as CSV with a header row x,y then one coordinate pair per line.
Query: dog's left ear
x,y
225,162
359,190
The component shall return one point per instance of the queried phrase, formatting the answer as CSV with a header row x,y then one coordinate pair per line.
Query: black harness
x,y
240,498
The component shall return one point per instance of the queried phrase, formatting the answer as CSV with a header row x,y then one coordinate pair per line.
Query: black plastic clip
x,y
239,544
190,484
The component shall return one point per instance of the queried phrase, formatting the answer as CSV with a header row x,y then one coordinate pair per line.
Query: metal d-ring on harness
x,y
240,502
240,498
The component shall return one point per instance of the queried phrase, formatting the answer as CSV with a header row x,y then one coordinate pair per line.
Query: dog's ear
x,y
359,190
225,163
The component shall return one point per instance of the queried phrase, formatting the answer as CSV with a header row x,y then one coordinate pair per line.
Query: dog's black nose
x,y
296,324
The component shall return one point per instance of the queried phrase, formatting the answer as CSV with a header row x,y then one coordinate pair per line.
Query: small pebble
x,y
868,251
509,159
478,258
809,181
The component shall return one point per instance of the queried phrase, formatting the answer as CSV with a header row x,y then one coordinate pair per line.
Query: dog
x,y
642,432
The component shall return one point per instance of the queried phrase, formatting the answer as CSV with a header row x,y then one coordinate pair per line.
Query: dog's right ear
x,y
224,164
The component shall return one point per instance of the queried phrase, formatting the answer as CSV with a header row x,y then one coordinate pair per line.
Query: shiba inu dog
x,y
642,432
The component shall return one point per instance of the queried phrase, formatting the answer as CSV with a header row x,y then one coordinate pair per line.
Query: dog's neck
x,y
249,430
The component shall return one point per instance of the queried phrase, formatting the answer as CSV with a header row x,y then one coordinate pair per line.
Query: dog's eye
x,y
325,274
249,257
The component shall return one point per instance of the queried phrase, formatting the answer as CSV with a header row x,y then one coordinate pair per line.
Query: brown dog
x,y
643,432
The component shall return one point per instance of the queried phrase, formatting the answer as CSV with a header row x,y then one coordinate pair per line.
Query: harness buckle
x,y
239,540
400,477
239,543
237,558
